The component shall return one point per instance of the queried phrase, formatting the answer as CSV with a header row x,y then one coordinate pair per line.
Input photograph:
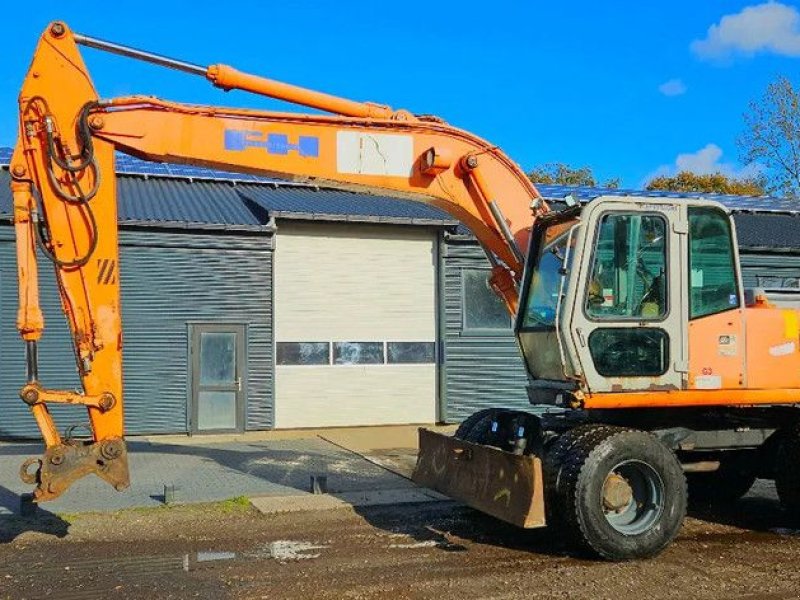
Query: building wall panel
x,y
168,280
350,395
481,370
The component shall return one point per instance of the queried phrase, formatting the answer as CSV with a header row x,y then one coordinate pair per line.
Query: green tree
x,y
714,183
771,137
562,174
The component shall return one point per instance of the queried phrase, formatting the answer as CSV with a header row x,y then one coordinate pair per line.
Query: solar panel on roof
x,y
734,203
131,165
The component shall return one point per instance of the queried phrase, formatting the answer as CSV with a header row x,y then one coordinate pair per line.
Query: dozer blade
x,y
501,484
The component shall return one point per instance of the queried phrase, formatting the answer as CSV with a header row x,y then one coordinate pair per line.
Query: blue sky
x,y
628,88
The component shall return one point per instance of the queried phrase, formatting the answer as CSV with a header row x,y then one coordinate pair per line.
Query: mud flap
x,y
501,484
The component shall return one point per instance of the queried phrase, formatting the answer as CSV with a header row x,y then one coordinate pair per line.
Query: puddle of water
x,y
214,555
289,550
425,544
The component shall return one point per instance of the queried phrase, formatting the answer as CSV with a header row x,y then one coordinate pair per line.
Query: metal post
x,y
501,222
32,361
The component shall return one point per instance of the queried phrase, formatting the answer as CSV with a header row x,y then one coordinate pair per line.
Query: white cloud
x,y
673,87
769,27
703,162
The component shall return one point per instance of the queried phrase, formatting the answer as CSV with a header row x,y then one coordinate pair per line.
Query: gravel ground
x,y
228,550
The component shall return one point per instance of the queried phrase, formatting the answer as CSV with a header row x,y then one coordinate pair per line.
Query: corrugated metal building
x,y
326,308
319,306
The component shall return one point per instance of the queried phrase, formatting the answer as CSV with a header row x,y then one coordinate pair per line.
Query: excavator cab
x,y
603,304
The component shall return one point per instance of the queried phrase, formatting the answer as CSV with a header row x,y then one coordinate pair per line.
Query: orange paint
x,y
716,351
773,349
682,399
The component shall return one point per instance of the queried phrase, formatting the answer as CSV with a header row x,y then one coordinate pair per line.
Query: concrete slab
x,y
370,439
310,502
393,448
367,436
205,473
212,468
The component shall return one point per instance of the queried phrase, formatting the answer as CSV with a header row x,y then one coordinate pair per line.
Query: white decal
x,y
783,349
697,278
374,153
708,382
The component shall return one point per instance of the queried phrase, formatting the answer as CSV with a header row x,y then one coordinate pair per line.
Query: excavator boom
x,y
65,205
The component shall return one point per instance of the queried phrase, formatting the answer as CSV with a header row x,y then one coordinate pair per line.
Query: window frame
x,y
667,253
661,330
330,345
734,258
432,361
338,344
480,331
300,364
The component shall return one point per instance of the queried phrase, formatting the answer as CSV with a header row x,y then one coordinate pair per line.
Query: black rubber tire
x,y
480,432
469,423
586,463
787,472
552,466
734,478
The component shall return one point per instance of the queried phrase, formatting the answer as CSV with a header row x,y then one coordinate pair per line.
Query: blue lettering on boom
x,y
274,143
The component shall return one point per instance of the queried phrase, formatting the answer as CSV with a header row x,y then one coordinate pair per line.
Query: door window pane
x,y
217,358
358,353
303,353
483,308
548,271
629,352
410,352
628,277
712,269
216,410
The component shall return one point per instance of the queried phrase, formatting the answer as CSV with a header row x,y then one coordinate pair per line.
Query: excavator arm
x,y
63,182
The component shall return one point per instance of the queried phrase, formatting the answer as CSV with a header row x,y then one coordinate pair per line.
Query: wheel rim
x,y
632,497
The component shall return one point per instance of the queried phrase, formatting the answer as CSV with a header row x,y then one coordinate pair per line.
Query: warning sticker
x,y
727,345
708,382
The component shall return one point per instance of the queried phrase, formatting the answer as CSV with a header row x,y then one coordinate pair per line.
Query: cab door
x,y
717,336
628,314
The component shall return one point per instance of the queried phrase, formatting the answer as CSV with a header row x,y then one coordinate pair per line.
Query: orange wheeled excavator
x,y
655,366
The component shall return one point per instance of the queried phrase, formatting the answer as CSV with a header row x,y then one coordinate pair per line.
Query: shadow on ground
x,y
445,525
759,512
13,525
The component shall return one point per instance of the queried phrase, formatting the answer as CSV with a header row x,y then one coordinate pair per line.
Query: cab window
x,y
628,278
712,268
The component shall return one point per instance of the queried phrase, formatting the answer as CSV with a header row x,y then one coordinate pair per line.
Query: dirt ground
x,y
436,550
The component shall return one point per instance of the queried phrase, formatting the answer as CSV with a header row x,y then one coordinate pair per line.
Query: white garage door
x,y
355,325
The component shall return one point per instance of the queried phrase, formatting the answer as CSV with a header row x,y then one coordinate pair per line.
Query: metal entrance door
x,y
218,373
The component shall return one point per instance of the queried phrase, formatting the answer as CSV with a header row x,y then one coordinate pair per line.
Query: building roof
x,y
156,194
333,205
762,222
734,203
